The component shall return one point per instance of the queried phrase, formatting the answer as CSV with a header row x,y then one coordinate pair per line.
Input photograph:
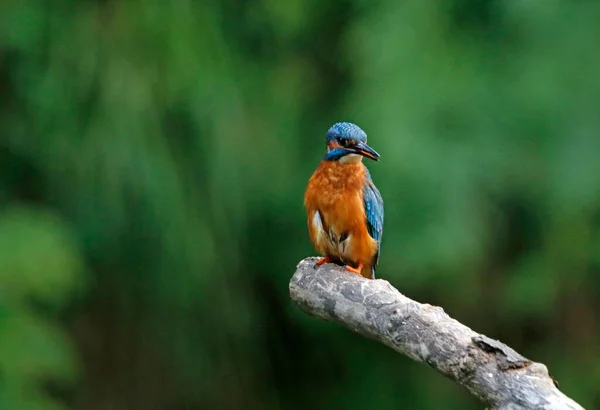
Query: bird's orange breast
x,y
336,213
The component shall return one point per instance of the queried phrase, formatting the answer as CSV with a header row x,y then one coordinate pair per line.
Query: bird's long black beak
x,y
363,149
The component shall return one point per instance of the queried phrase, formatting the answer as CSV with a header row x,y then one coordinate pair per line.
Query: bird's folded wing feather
x,y
373,209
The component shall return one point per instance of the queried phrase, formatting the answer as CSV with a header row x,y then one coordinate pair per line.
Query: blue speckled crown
x,y
346,130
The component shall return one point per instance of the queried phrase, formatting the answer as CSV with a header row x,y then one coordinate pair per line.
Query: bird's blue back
x,y
373,203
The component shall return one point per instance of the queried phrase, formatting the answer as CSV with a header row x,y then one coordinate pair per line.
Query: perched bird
x,y
345,209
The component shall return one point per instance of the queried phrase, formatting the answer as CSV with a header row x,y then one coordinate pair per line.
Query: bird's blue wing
x,y
374,210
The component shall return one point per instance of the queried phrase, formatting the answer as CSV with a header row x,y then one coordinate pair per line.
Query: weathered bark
x,y
490,370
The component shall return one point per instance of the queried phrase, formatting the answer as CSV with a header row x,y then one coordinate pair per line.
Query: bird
x,y
343,205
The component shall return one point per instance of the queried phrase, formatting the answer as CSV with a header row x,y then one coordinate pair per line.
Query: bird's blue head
x,y
346,142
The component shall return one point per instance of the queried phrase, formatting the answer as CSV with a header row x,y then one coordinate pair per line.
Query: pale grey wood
x,y
490,370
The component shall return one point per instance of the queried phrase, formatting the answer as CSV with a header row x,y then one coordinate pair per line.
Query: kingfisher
x,y
344,208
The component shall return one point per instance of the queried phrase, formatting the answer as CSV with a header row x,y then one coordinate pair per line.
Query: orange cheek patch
x,y
333,144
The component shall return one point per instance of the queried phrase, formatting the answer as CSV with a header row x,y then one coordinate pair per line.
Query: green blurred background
x,y
153,159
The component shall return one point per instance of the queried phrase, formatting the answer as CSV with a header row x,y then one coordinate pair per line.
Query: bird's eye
x,y
341,140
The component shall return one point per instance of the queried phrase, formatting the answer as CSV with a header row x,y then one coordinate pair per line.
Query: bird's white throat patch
x,y
351,159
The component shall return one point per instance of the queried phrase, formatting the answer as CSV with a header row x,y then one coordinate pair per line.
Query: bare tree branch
x,y
490,370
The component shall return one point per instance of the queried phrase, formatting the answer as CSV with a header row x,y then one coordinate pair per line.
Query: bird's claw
x,y
349,268
321,261
355,270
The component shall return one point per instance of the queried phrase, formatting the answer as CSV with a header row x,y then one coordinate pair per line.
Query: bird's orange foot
x,y
355,270
321,261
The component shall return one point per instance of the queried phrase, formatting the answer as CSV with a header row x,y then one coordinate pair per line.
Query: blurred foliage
x,y
39,268
153,157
